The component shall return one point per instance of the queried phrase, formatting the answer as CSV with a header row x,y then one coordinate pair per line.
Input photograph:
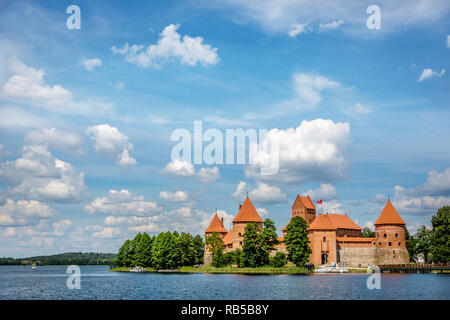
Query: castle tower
x,y
304,207
247,214
216,225
390,236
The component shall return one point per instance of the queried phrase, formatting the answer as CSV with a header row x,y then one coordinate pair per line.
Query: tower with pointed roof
x,y
246,214
390,236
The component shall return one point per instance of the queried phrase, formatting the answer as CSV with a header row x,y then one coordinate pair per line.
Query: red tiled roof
x,y
216,225
228,239
341,221
354,239
322,222
306,201
389,216
247,213
331,221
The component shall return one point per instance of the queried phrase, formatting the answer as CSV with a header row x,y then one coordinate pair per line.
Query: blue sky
x,y
85,123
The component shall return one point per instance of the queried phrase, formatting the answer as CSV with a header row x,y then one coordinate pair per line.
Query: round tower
x,y
390,237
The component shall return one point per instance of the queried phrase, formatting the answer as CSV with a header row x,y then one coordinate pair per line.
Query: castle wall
x,y
357,256
392,256
391,236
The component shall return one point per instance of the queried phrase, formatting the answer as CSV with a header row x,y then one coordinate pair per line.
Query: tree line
x,y
258,243
69,258
167,250
434,243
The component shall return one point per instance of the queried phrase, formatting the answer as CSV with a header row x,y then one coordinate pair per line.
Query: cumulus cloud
x,y
183,168
428,74
426,198
61,226
177,196
40,176
170,46
27,85
122,203
91,64
315,150
69,142
332,206
325,192
111,142
267,193
23,212
239,193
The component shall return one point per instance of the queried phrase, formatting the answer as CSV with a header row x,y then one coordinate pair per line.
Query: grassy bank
x,y
261,270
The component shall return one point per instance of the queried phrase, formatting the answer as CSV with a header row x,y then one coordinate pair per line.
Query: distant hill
x,y
69,258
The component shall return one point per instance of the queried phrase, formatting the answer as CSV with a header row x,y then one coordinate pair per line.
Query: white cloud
x,y
179,168
330,26
227,218
239,193
24,212
208,174
370,225
428,74
170,46
359,108
309,86
122,203
40,176
267,193
27,85
125,159
278,16
91,64
332,206
183,168
315,150
14,118
69,142
426,198
448,41
297,29
111,142
177,196
325,192
60,227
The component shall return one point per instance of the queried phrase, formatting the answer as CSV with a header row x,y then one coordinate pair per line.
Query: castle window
x,y
390,244
399,244
240,242
396,235
324,239
385,235
239,234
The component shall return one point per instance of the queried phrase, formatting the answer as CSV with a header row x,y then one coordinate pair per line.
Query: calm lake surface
x,y
49,282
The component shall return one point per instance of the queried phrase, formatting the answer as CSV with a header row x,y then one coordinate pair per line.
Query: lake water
x,y
49,282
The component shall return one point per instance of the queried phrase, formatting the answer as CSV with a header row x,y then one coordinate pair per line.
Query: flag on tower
x,y
319,201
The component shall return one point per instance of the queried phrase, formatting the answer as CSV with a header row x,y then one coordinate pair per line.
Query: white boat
x,y
34,267
332,269
138,269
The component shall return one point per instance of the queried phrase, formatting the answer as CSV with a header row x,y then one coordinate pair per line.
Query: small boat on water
x,y
332,269
138,269
33,266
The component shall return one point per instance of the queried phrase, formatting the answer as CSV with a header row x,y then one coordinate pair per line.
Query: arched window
x,y
385,235
396,235
399,244
390,244
324,239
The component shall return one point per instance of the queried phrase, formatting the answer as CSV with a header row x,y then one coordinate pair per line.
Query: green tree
x,y
214,244
296,241
166,251
199,248
269,236
143,254
124,257
422,241
188,252
367,233
440,239
253,251
411,244
278,260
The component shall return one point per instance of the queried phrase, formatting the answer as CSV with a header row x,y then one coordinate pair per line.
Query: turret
x,y
390,230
